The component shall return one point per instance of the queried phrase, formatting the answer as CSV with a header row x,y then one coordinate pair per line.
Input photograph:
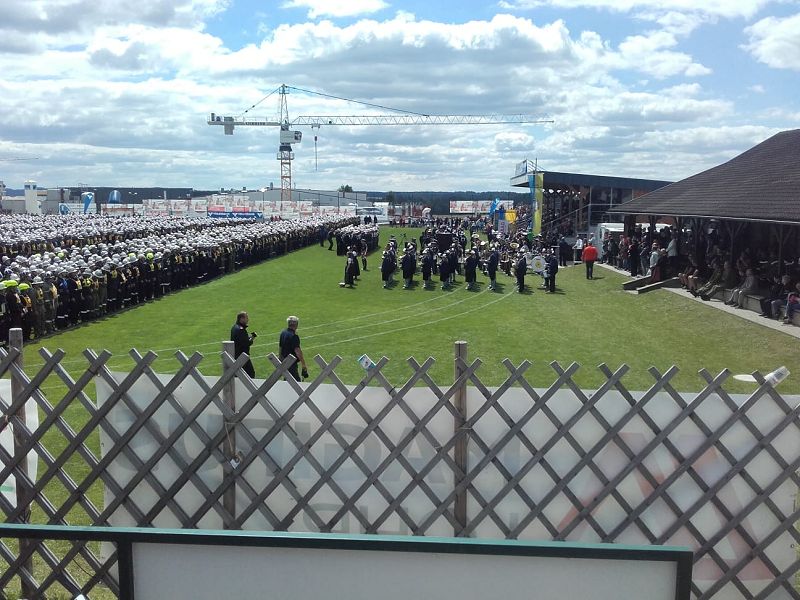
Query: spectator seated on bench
x,y
780,301
792,304
749,285
729,280
778,290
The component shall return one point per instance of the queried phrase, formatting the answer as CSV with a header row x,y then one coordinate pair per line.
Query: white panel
x,y
188,571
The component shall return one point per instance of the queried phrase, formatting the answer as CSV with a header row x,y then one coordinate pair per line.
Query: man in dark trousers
x,y
552,269
520,266
290,345
633,256
470,268
589,256
242,341
564,251
491,268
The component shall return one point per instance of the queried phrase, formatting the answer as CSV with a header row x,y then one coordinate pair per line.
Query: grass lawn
x,y
589,322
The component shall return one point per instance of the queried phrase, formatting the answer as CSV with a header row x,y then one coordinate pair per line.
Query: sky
x,y
118,93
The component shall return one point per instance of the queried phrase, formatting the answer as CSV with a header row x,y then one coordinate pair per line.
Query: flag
x,y
88,198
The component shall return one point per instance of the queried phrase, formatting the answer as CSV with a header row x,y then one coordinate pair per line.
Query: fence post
x,y
460,448
15,343
229,445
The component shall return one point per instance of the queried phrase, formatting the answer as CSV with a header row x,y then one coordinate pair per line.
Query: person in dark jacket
x,y
242,341
552,269
633,253
564,251
491,268
470,267
409,266
520,267
289,344
428,263
387,268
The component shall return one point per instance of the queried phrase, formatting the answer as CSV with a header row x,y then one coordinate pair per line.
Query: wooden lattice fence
x,y
711,470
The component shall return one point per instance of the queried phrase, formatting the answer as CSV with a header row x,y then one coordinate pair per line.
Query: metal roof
x,y
762,184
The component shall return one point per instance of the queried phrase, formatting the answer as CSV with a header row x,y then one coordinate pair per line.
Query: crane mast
x,y
285,154
288,136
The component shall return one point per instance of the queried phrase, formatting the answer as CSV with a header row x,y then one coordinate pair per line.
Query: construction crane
x,y
288,136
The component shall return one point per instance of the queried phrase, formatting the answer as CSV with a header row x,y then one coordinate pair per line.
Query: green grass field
x,y
589,322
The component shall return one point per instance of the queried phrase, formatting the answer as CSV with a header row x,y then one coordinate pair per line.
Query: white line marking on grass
x,y
391,310
425,324
193,347
412,316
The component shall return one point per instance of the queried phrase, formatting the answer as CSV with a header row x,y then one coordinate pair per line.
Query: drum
x,y
538,264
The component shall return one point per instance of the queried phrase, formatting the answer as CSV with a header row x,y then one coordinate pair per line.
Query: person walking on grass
x,y
242,341
289,343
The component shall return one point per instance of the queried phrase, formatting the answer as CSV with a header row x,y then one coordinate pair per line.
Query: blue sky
x,y
118,93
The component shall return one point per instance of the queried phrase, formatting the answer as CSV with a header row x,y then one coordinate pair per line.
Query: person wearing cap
x,y
37,297
552,270
289,344
242,341
444,271
50,303
350,266
589,256
26,298
427,266
387,268
491,267
470,268
520,267
409,266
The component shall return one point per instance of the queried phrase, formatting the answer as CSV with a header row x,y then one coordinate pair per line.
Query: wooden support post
x,y
229,445
23,493
781,240
460,447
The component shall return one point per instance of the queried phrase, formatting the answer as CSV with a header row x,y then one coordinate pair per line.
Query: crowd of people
x,y
776,286
707,270
61,270
452,247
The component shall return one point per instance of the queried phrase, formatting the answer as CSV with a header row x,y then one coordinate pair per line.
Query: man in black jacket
x,y
289,344
491,268
552,269
242,341
520,267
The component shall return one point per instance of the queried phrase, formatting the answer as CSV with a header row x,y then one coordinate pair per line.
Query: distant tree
x,y
345,188
389,197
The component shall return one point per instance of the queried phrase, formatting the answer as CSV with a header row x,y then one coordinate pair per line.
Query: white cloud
x,y
758,89
59,17
124,101
722,8
337,8
775,42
